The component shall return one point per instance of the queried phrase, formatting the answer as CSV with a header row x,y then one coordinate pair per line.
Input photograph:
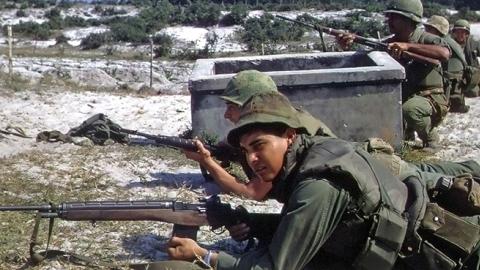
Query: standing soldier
x,y
471,48
453,70
424,102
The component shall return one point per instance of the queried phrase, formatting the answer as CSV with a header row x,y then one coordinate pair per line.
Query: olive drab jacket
x,y
331,191
472,51
419,76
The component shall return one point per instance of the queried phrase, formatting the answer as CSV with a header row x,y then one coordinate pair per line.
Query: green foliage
x,y
201,13
32,30
165,44
94,40
156,18
131,29
467,14
430,9
112,11
61,39
21,13
237,15
264,33
74,21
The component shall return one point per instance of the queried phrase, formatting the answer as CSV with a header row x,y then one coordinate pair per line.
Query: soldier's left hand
x,y
201,155
184,249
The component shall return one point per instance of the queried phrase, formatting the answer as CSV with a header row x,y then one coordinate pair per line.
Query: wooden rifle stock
x,y
365,41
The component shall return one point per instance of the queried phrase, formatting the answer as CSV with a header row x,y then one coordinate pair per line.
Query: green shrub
x,y
132,29
156,18
201,13
165,44
266,32
32,30
237,15
74,21
21,13
94,40
61,39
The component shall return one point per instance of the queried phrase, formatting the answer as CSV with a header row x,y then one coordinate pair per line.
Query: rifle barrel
x,y
41,208
171,141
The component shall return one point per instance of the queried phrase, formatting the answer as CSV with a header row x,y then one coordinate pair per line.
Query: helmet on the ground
x,y
264,109
440,23
462,24
412,9
246,84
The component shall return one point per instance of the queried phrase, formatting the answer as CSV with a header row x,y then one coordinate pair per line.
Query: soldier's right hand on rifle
x,y
345,40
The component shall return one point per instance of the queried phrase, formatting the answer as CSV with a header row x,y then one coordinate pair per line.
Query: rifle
x,y
222,153
364,41
186,217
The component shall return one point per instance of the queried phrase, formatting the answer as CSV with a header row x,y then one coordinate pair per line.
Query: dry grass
x,y
77,174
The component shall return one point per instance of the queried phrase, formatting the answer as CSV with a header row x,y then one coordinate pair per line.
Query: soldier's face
x,y
265,151
396,23
232,112
432,30
460,35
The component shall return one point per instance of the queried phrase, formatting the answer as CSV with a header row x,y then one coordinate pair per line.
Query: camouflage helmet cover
x,y
462,24
265,108
246,84
412,9
440,23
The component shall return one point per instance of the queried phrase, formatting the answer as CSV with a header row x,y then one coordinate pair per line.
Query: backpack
x,y
99,128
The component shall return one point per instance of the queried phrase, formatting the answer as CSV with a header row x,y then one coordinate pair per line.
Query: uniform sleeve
x,y
311,214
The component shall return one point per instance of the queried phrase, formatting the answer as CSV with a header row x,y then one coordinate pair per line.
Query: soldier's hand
x,y
201,155
239,232
184,249
397,48
345,40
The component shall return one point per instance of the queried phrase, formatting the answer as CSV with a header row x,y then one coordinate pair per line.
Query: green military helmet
x,y
412,9
265,108
462,24
440,23
246,84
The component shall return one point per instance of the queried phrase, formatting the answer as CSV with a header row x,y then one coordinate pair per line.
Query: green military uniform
x,y
454,68
424,102
471,49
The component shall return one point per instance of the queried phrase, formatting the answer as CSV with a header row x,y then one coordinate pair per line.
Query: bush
x,y
74,21
156,18
201,13
61,39
113,11
165,43
266,32
237,15
94,40
33,30
21,13
131,30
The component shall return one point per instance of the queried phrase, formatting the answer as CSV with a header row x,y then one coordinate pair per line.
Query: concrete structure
x,y
357,94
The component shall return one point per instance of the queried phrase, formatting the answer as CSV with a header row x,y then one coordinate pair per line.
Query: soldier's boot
x,y
457,104
472,92
430,142
409,135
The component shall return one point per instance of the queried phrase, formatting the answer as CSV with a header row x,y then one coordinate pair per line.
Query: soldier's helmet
x,y
461,24
247,83
264,109
440,23
412,9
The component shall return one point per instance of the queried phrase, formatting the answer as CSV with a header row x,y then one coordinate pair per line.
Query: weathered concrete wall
x,y
358,95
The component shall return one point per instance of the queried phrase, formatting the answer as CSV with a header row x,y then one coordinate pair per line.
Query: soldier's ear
x,y
290,134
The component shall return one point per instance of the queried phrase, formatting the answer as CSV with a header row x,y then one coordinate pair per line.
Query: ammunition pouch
x,y
384,242
447,240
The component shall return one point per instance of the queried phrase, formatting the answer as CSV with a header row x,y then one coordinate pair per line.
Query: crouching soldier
x,y
342,209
